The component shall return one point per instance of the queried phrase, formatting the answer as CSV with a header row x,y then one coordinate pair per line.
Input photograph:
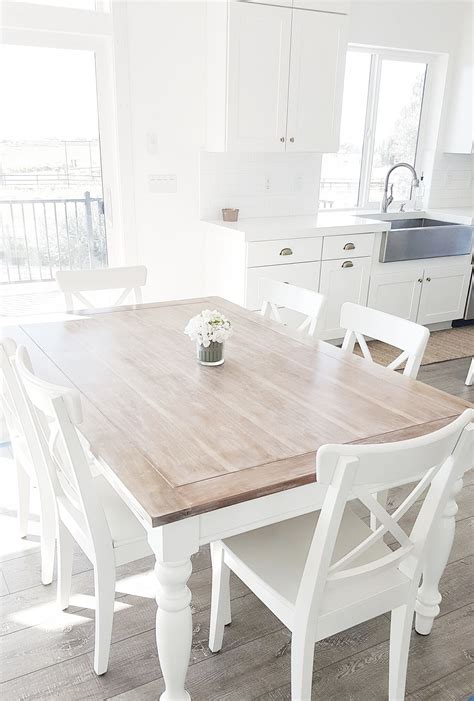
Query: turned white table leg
x,y
174,626
429,598
173,545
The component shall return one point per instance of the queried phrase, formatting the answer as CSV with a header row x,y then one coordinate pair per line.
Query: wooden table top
x,y
181,439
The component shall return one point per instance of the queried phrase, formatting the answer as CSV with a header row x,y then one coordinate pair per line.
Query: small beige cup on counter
x,y
230,214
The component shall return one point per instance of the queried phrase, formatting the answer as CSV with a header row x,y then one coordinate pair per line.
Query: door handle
x,y
347,264
286,252
420,279
292,139
428,279
282,139
349,247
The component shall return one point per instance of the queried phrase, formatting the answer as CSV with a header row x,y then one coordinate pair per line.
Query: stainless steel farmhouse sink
x,y
410,239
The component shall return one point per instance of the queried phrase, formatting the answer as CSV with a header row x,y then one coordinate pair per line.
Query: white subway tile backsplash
x,y
452,181
259,184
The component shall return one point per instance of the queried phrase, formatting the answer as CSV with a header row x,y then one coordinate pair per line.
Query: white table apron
x,y
173,545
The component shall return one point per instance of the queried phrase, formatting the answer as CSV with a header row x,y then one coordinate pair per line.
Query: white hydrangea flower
x,y
209,327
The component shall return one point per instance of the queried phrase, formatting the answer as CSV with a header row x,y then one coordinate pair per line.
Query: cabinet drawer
x,y
301,274
348,246
283,251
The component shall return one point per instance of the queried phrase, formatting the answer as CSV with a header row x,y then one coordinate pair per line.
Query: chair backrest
x,y
73,283
20,419
434,461
57,412
276,294
409,337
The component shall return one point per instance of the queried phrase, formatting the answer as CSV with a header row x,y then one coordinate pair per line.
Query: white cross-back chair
x,y
88,509
28,458
73,283
275,294
405,335
324,572
470,373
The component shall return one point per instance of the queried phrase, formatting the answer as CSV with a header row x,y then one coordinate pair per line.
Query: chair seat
x,y
125,528
271,560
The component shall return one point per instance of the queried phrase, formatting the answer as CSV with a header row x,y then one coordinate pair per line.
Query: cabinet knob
x,y
286,252
292,139
428,279
347,264
420,279
349,247
282,139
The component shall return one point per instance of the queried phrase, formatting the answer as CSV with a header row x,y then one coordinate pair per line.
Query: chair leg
x,y
302,657
23,487
400,633
48,544
104,583
65,557
220,599
382,500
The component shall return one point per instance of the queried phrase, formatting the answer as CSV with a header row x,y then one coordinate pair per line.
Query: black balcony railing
x,y
39,237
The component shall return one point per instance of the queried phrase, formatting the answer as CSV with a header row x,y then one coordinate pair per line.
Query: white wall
x,y
166,42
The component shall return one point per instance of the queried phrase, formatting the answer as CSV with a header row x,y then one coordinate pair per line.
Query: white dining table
x,y
203,453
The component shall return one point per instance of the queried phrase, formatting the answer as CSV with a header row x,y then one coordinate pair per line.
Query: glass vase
x,y
212,355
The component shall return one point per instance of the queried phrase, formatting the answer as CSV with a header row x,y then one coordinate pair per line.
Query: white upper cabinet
x,y
275,77
259,51
318,57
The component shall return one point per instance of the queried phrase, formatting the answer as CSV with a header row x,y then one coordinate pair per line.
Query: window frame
x,y
50,26
378,55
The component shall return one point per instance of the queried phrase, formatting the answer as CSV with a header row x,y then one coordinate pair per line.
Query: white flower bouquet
x,y
209,329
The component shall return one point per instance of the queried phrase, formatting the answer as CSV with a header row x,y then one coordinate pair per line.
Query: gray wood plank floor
x,y
47,654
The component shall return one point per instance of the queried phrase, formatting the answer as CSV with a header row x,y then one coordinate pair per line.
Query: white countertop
x,y
321,224
330,223
461,215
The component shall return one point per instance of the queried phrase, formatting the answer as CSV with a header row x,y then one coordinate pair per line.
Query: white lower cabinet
x,y
301,274
444,293
342,281
431,294
397,293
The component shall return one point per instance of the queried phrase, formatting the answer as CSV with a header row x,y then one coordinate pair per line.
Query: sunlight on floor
x,y
40,610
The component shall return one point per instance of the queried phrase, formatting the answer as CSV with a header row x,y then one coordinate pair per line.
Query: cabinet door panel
x,y
444,293
318,56
342,284
397,293
301,274
258,68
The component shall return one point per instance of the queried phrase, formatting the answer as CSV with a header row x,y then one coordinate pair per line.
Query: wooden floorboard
x,y
48,654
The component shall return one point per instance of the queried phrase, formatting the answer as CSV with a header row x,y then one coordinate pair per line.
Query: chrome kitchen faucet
x,y
388,199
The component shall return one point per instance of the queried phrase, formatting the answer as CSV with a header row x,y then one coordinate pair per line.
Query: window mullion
x,y
370,124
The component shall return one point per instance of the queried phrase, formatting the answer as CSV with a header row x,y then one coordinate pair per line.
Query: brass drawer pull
x,y
286,252
347,264
349,247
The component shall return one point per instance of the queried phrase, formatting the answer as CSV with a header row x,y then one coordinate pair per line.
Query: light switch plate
x,y
162,183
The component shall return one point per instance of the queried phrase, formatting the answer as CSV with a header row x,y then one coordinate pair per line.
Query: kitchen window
x,y
381,124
